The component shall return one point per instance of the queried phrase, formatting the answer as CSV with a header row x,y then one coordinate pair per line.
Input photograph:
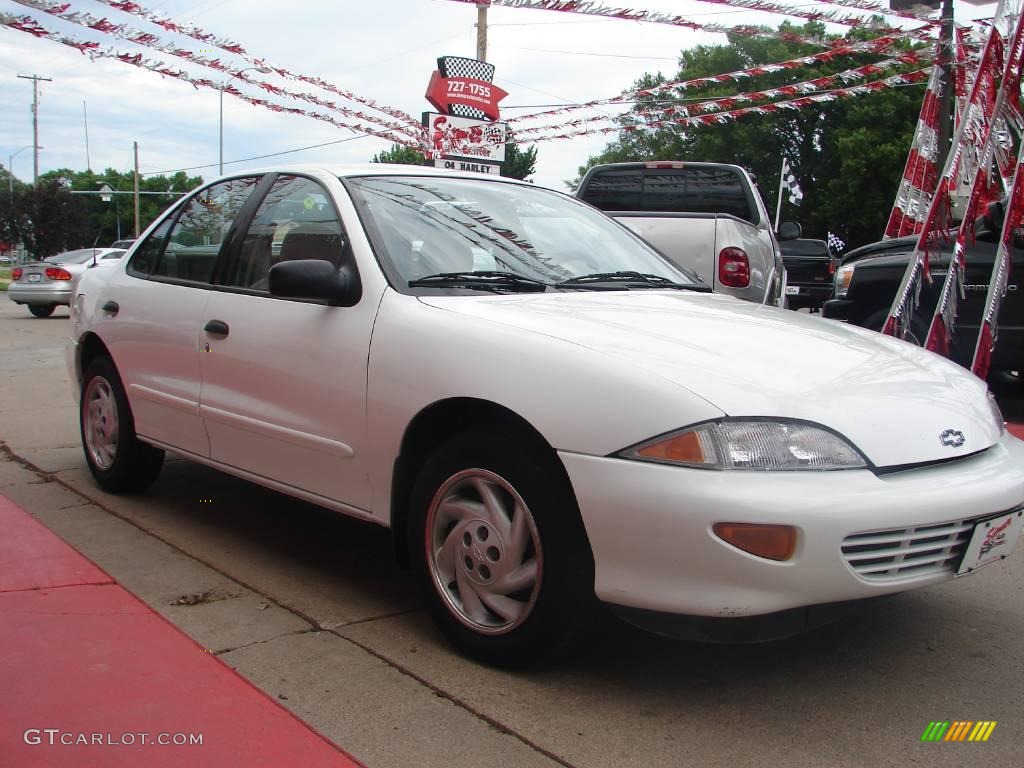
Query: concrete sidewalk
x,y
93,676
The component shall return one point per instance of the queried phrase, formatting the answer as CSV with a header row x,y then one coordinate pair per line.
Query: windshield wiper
x,y
626,280
488,280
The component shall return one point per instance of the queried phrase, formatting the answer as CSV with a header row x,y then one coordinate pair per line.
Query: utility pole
x,y
35,121
135,146
947,55
481,30
85,119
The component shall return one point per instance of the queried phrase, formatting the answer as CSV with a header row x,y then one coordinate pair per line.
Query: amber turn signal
x,y
684,448
772,542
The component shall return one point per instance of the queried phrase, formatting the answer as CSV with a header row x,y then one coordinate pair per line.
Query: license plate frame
x,y
992,539
35,277
792,290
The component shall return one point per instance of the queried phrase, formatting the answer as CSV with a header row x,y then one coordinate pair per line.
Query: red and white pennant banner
x,y
94,50
920,174
229,46
125,32
730,102
894,81
879,46
594,8
988,333
964,157
990,129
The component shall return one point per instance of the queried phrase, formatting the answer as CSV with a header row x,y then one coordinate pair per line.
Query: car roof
x,y
352,170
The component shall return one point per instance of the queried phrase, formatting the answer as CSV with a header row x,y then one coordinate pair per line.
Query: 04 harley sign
x,y
442,92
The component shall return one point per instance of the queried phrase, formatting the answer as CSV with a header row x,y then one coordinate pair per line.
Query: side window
x,y
296,220
202,225
148,253
614,190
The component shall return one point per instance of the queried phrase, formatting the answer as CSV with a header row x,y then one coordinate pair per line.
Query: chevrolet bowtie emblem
x,y
952,437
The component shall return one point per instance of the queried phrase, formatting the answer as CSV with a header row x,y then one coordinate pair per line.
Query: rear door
x,y
156,306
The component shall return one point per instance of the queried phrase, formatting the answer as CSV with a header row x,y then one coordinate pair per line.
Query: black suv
x,y
868,278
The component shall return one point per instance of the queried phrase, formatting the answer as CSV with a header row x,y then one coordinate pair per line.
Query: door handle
x,y
111,307
217,327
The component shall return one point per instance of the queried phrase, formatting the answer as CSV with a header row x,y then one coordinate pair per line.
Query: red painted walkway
x,y
91,676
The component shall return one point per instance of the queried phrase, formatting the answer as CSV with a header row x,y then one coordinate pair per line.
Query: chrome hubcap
x,y
483,551
99,423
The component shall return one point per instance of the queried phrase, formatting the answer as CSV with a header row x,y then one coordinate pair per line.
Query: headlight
x,y
997,414
843,277
750,444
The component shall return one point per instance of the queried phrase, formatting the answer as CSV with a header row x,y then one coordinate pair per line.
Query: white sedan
x,y
547,414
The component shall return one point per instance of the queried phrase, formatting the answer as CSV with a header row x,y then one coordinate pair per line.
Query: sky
x,y
384,50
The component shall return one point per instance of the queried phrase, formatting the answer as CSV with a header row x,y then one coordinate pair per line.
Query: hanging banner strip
x,y
879,46
594,8
966,144
125,32
730,102
229,46
991,123
883,9
94,50
920,174
764,109
988,333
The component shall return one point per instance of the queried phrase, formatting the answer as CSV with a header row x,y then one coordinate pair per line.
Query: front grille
x,y
901,553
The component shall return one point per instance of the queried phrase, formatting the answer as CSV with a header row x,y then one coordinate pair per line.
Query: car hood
x,y
891,399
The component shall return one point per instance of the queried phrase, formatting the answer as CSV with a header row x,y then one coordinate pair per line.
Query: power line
x,y
257,157
588,53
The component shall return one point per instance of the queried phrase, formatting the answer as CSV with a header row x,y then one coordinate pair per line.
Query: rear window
x,y
672,190
804,248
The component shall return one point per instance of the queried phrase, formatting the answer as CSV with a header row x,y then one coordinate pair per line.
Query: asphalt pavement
x,y
311,607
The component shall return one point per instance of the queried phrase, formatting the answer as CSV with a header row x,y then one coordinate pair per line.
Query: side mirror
x,y
315,279
789,230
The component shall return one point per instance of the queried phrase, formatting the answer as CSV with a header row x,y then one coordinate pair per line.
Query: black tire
x,y
41,310
561,604
125,464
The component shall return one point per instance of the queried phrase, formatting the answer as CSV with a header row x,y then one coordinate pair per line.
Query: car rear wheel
x,y
119,461
42,310
501,556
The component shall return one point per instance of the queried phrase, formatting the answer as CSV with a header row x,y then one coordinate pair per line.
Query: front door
x,y
284,381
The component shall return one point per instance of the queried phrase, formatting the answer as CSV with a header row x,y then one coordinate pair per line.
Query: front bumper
x,y
650,528
809,296
40,293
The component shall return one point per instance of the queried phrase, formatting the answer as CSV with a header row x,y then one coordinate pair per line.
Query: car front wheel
x,y
500,552
119,461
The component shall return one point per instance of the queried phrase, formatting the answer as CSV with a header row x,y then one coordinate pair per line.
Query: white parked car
x,y
547,414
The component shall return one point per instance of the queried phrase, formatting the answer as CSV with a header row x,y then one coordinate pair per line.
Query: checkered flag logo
x,y
789,180
835,243
458,66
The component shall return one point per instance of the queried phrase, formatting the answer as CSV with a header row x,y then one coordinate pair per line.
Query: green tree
x,y
847,155
399,154
519,164
49,219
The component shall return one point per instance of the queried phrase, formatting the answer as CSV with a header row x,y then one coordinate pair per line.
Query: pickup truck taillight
x,y
733,268
16,273
56,273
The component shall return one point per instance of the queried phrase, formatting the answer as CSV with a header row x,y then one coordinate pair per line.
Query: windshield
x,y
429,225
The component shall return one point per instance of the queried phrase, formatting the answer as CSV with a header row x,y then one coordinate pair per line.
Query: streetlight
x,y
225,84
106,192
10,167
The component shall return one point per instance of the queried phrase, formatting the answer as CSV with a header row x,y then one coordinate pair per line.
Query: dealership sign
x,y
465,126
442,92
465,138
